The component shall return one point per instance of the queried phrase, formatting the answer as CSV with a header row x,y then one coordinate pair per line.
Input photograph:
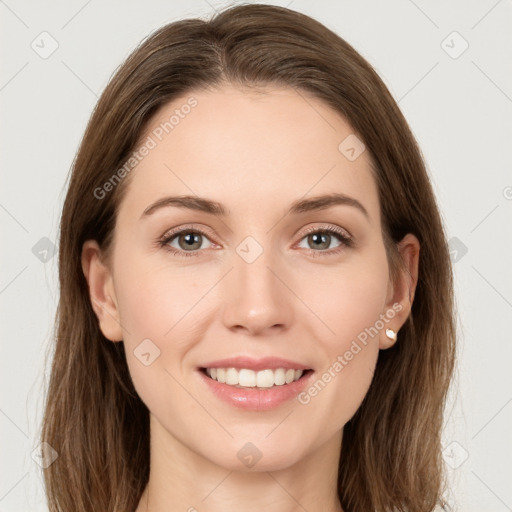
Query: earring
x,y
391,334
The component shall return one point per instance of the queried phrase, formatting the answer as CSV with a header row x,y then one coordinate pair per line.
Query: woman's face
x,y
263,280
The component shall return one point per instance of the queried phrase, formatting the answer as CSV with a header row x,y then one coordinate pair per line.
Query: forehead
x,y
250,149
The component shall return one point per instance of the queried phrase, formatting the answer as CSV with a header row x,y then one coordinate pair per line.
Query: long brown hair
x,y
94,419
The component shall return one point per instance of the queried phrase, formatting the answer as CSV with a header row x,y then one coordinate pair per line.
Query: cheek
x,y
353,312
159,309
357,303
153,300
349,299
339,389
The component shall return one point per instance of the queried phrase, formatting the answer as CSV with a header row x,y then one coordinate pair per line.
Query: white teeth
x,y
231,377
279,377
221,375
265,379
246,378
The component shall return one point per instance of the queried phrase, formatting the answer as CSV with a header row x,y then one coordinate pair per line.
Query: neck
x,y
183,480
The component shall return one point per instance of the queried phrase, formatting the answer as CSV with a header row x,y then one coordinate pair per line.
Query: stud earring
x,y
391,334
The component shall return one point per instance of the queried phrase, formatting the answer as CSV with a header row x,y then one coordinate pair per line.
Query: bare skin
x,y
256,154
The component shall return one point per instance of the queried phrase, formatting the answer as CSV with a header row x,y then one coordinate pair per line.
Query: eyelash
x,y
346,241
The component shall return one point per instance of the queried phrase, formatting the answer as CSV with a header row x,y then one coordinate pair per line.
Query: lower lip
x,y
254,399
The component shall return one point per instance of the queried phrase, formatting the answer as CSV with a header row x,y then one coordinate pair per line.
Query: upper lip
x,y
255,364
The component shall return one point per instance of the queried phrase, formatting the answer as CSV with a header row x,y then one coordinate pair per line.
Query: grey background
x,y
458,106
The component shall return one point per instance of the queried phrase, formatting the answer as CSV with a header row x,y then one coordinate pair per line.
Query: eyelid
x,y
188,227
344,236
210,232
327,227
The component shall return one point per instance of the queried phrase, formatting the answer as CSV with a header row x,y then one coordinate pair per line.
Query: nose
x,y
258,299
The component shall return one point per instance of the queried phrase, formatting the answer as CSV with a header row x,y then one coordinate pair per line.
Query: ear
x,y
401,293
101,291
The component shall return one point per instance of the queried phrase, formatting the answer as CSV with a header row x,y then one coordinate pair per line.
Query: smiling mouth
x,y
250,379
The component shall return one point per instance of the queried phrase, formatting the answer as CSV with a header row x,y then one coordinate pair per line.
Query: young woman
x,y
256,303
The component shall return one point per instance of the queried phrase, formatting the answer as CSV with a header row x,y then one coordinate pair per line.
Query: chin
x,y
252,454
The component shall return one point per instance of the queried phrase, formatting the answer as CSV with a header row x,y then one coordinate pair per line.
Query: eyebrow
x,y
205,205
